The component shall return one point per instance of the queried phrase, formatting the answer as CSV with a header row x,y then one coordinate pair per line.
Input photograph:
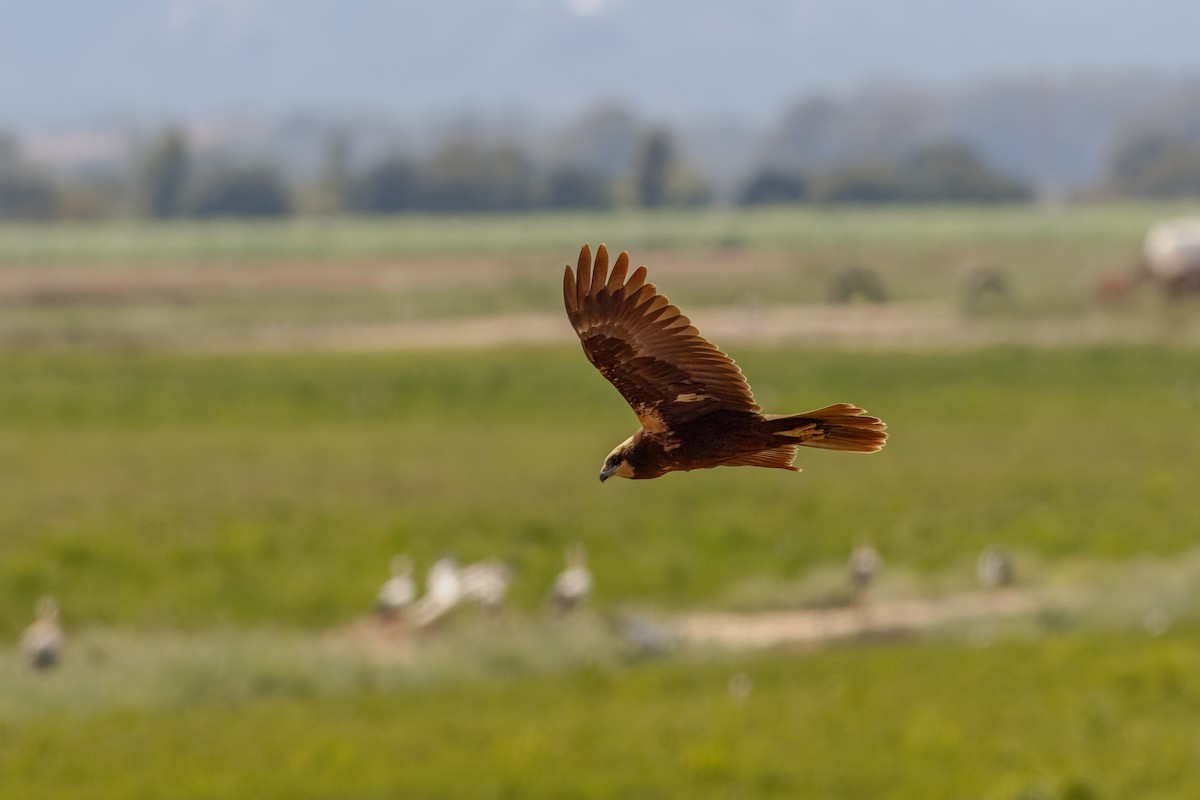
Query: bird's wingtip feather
x,y
583,273
599,270
569,291
617,279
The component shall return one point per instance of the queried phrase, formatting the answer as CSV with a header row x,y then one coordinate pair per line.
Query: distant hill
x,y
1057,135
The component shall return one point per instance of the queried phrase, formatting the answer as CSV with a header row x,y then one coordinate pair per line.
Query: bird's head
x,y
617,462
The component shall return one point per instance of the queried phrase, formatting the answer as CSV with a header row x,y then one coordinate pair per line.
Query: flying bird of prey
x,y
695,406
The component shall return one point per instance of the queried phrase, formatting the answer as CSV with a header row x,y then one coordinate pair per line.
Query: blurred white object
x,y
443,592
865,563
741,685
486,583
995,568
443,583
1172,248
42,641
573,585
399,591
643,637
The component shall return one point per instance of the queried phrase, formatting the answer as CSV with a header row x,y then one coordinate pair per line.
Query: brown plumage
x,y
694,404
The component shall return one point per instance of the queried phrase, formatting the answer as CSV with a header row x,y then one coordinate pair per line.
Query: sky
x,y
68,62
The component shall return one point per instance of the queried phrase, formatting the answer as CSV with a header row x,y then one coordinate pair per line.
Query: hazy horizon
x,y
145,61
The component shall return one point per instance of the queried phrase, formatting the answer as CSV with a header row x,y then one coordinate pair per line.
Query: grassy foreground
x,y
1068,718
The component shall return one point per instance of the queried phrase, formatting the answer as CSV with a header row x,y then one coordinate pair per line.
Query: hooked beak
x,y
603,475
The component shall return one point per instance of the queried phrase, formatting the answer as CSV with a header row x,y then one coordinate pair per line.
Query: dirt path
x,y
136,306
890,327
399,641
813,626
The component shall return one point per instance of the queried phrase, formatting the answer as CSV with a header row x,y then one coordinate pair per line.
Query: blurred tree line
x,y
607,161
168,185
25,193
1158,156
466,175
1155,164
463,175
939,173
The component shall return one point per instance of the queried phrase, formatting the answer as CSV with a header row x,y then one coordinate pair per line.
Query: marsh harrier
x,y
693,402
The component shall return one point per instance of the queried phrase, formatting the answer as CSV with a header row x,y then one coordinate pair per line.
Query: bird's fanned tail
x,y
841,426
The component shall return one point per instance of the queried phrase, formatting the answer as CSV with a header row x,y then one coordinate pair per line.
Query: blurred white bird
x,y
399,591
486,582
865,563
42,641
995,568
573,585
443,592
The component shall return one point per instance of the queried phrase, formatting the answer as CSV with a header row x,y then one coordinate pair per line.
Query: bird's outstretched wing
x,y
650,351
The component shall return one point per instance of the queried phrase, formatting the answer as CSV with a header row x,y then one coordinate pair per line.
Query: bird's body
x,y
729,438
695,406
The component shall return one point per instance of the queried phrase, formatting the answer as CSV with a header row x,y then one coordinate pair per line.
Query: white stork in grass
x,y
573,586
42,641
865,563
399,591
486,583
443,592
995,568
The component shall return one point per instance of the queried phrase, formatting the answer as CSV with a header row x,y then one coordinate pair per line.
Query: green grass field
x,y
1065,718
413,236
224,493
215,526
272,489
199,284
